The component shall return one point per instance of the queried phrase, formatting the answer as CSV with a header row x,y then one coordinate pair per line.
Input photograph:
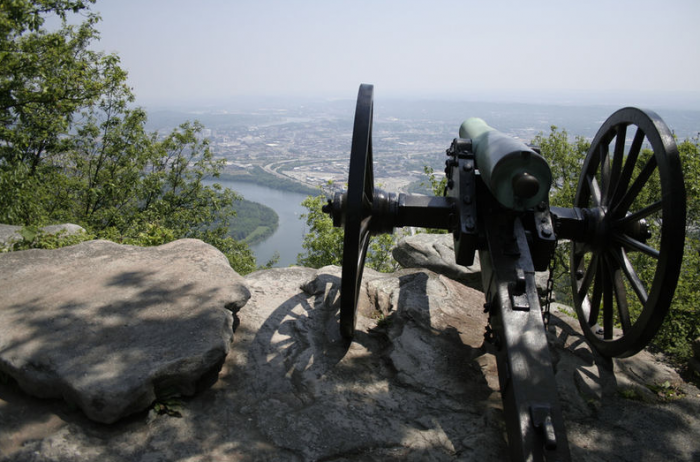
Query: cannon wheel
x,y
358,210
624,275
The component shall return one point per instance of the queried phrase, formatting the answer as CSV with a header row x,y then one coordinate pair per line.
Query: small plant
x,y
383,321
631,394
169,406
667,391
35,238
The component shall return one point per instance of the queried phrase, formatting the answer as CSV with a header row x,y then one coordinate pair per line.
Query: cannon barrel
x,y
517,176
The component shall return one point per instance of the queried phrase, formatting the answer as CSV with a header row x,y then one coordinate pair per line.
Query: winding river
x,y
286,241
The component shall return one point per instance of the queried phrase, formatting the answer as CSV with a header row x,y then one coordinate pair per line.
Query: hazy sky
x,y
197,49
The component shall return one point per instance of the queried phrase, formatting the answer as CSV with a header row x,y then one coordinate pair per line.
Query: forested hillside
x,y
253,222
74,147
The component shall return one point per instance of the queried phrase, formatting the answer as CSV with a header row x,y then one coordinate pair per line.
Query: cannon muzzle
x,y
517,176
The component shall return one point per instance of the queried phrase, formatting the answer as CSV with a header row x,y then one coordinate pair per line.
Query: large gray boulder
x,y
436,253
109,328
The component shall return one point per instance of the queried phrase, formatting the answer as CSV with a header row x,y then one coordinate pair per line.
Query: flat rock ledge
x,y
110,328
417,383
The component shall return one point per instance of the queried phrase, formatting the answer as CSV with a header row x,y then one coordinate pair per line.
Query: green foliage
x,y
667,391
379,255
631,394
681,326
436,187
565,159
253,223
73,149
324,243
170,407
689,151
34,238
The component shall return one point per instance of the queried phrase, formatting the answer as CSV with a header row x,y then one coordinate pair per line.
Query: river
x,y
286,241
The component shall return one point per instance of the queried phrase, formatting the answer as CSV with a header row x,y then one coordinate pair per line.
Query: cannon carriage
x,y
626,231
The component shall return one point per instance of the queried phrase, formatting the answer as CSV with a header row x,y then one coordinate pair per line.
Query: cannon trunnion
x,y
626,230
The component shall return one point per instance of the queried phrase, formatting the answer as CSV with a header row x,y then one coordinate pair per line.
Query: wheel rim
x,y
624,275
358,210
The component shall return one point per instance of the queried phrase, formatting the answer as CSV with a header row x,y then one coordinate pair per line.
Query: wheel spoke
x,y
628,169
627,241
588,276
595,191
640,214
597,294
604,173
607,302
618,159
618,285
631,274
639,183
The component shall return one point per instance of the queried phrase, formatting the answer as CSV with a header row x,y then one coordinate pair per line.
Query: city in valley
x,y
309,142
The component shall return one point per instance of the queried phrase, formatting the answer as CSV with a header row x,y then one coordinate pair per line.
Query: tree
x,y
72,147
45,79
681,326
323,242
565,160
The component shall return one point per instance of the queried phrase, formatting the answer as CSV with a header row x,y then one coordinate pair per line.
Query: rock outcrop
x,y
109,328
435,252
417,383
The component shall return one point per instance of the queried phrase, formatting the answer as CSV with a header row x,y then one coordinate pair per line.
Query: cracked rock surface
x,y
416,384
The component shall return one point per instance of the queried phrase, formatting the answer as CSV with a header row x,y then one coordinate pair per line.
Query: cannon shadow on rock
x,y
409,387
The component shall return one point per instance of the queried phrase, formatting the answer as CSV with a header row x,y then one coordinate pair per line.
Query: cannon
x,y
625,229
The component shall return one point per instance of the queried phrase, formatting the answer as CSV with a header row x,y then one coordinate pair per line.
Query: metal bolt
x,y
467,199
579,275
469,223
